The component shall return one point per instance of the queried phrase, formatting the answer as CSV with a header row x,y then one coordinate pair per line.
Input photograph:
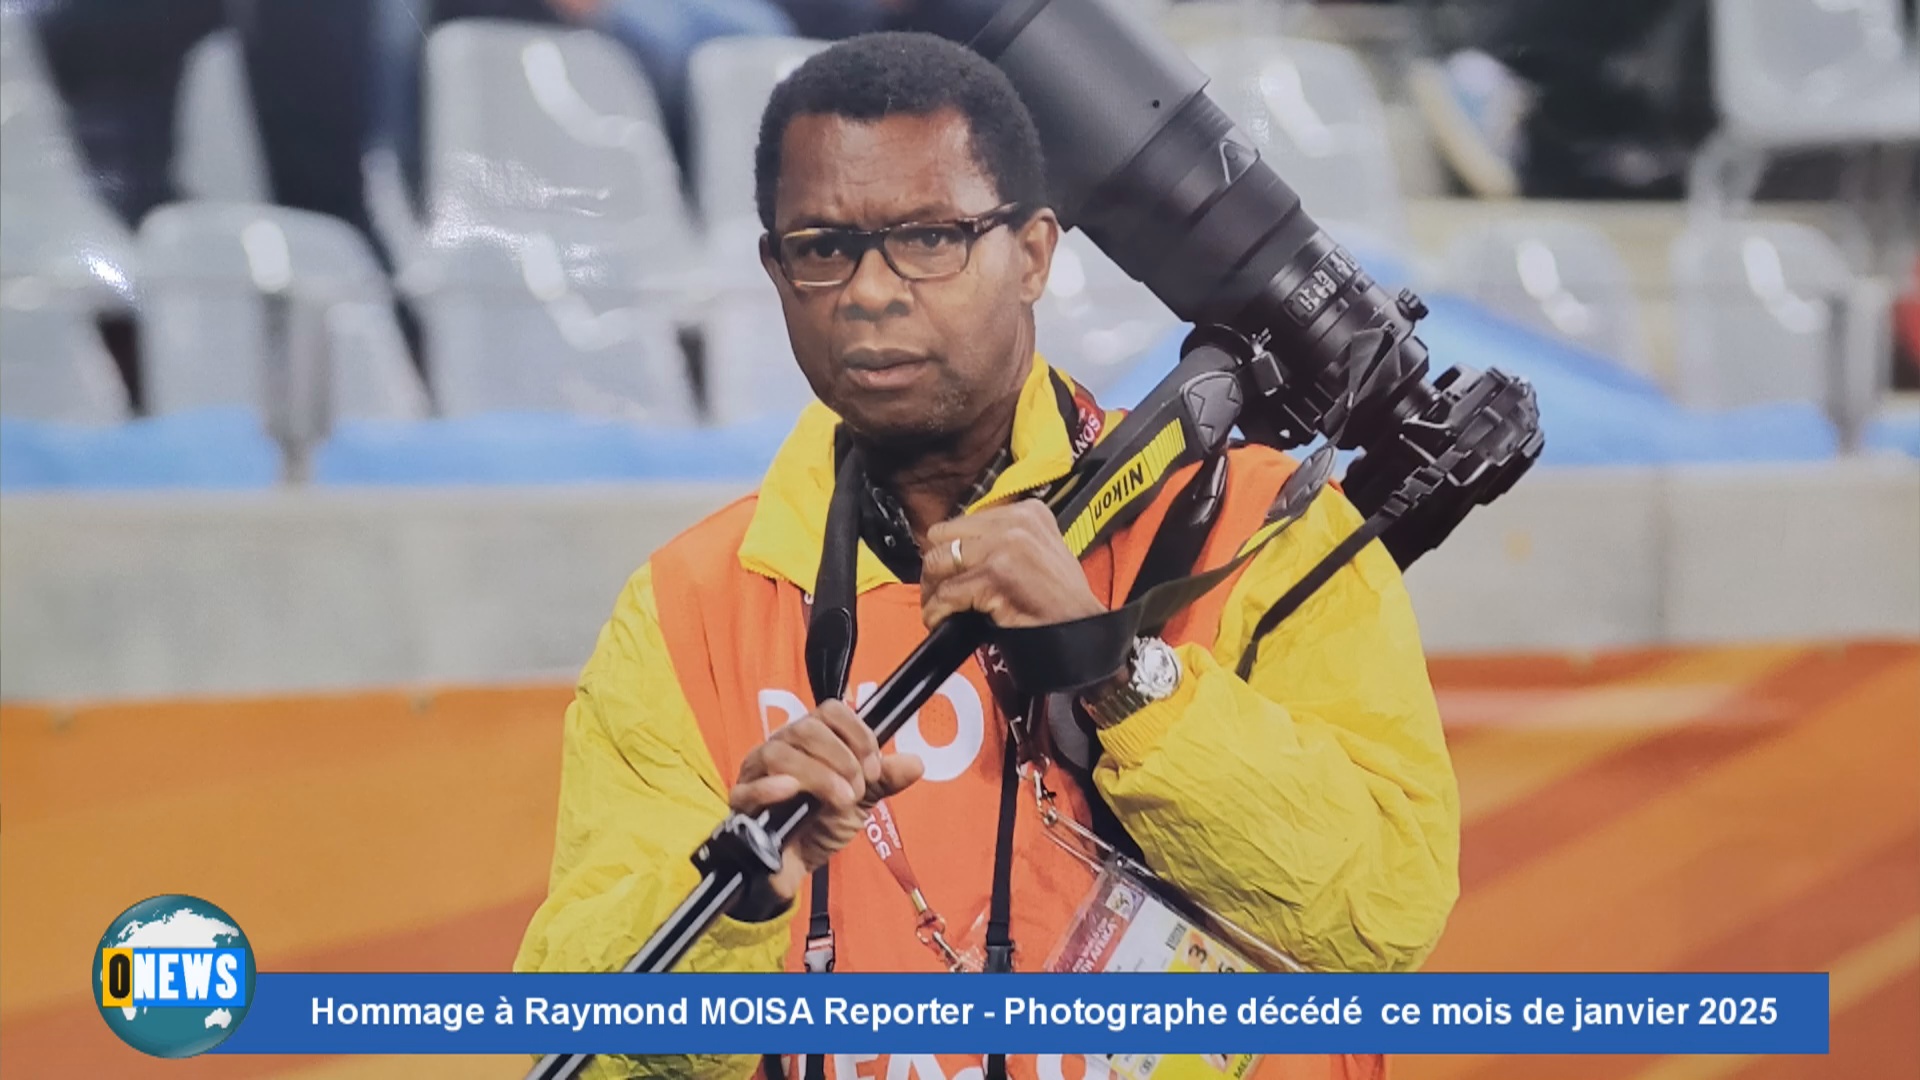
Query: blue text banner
x,y
676,1014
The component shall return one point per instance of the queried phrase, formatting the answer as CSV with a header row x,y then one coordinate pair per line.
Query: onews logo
x,y
173,976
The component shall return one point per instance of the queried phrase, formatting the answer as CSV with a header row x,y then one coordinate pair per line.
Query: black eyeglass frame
x,y
862,241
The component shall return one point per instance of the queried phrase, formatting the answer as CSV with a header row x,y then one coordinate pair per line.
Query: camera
x,y
1150,168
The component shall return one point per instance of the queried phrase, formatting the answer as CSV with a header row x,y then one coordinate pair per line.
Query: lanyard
x,y
929,925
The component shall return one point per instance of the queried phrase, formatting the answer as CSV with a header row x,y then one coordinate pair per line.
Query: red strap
x,y
930,926
884,834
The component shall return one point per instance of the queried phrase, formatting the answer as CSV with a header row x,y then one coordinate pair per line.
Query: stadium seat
x,y
1094,321
53,226
731,79
557,249
208,325
528,119
541,316
64,257
751,375
217,153
1559,276
53,364
1768,311
1793,74
1314,113
750,372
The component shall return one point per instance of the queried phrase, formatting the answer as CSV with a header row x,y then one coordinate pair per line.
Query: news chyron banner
x,y
175,977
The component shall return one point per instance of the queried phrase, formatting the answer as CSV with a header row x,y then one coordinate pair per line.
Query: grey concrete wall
x,y
1569,559
162,595
1804,552
209,593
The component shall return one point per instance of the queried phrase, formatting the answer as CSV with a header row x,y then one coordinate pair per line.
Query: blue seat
x,y
209,449
1594,412
1895,431
539,448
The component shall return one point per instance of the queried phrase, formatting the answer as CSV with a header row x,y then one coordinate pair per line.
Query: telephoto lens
x,y
1150,168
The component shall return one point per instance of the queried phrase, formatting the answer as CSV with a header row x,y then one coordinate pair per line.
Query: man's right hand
x,y
830,755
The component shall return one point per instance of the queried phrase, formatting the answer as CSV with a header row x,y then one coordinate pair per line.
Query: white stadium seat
x,y
208,332
1315,115
1560,276
558,247
1795,74
1768,311
64,256
217,153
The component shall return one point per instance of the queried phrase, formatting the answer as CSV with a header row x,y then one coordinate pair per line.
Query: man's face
x,y
906,360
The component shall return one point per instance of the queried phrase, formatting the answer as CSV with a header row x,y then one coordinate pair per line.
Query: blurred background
x,y
353,352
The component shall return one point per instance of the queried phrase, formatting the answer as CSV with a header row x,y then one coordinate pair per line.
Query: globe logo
x,y
173,976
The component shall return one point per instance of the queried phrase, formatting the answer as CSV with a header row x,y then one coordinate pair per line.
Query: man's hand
x,y
1013,567
830,755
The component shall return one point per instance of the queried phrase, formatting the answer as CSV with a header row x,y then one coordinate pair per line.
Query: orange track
x,y
1722,809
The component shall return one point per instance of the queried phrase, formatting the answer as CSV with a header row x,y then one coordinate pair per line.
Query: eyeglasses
x,y
915,250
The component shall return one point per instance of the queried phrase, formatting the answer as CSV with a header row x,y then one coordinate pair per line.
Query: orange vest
x,y
736,639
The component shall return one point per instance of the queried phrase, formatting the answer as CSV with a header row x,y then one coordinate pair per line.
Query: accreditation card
x,y
1123,926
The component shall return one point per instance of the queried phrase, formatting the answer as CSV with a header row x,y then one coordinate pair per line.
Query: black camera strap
x,y
1417,486
832,633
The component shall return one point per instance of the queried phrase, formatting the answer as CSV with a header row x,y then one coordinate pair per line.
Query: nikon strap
x,y
1072,655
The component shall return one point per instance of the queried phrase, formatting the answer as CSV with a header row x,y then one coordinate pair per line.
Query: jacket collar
x,y
789,523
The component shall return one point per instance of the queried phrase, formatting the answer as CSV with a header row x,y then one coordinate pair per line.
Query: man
x,y
900,181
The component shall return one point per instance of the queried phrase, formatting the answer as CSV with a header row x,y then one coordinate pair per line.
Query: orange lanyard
x,y
929,925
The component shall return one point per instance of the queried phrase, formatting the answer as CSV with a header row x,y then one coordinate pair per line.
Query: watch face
x,y
1156,668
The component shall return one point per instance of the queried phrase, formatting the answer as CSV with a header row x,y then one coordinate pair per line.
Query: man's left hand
x,y
1013,567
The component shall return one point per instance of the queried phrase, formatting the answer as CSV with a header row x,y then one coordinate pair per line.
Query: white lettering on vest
x,y
790,706
780,707
969,730
847,1066
912,1066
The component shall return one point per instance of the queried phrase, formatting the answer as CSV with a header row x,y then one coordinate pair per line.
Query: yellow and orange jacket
x,y
1313,804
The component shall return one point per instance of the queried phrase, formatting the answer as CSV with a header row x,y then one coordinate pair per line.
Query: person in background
x,y
117,67
400,29
1906,333
118,63
663,34
1552,99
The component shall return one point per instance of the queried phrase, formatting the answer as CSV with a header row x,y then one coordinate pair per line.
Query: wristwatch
x,y
1153,674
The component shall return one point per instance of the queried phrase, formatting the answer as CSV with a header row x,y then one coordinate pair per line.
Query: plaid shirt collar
x,y
885,529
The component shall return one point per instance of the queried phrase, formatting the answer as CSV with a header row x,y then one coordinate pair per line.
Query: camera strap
x,y
832,634
1173,553
1072,655
1417,486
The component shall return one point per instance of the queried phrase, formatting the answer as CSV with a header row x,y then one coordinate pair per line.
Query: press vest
x,y
736,639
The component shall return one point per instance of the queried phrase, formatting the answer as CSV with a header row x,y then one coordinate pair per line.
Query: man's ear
x,y
1037,239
